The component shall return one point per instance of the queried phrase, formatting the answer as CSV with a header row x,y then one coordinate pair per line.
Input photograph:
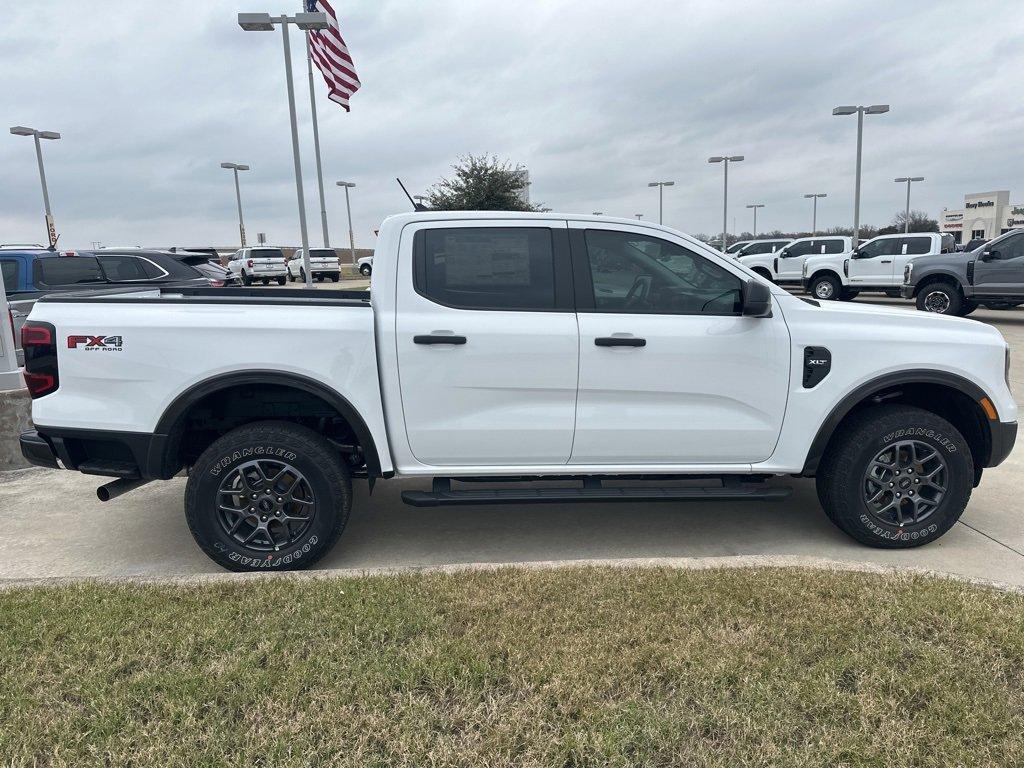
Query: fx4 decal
x,y
92,343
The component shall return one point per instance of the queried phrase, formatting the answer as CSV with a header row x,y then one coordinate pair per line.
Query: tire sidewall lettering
x,y
255,452
940,440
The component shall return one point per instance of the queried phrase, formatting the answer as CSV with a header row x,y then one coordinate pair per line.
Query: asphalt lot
x,y
55,527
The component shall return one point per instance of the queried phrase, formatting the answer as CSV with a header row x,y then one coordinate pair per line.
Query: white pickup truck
x,y
877,265
622,359
785,265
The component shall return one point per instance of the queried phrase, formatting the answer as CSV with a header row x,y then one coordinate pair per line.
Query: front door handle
x,y
620,341
438,338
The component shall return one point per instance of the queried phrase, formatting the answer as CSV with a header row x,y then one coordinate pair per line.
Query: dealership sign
x,y
981,204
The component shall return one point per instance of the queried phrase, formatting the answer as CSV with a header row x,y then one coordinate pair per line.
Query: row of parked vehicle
x,y
922,266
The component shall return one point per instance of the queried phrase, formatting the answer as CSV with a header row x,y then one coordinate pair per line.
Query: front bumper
x,y
1004,435
907,291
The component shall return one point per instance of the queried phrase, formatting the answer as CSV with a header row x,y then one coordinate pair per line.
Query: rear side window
x,y
124,268
917,245
67,270
828,246
487,267
9,270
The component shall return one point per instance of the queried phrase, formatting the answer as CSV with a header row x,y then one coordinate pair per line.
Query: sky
x,y
596,98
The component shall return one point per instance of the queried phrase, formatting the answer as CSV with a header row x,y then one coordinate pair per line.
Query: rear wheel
x,y
268,495
826,287
940,298
764,273
897,477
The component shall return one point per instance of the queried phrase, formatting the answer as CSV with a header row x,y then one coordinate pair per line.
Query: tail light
x,y
39,342
216,283
10,316
249,263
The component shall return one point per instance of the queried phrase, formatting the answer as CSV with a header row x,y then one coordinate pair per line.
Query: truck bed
x,y
170,294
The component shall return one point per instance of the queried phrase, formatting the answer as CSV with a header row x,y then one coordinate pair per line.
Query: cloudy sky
x,y
597,98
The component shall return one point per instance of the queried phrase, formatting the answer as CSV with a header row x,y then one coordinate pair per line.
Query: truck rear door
x,y
488,345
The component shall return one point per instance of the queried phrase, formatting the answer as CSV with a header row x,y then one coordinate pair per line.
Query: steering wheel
x,y
639,292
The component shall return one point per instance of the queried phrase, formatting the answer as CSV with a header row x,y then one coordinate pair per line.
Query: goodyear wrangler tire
x,y
268,496
897,477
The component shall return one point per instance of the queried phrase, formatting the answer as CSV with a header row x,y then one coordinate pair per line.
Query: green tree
x,y
481,184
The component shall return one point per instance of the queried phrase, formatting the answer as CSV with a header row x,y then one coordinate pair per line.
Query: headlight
x,y
1007,366
907,272
803,271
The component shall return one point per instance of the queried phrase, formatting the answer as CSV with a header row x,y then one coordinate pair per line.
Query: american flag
x,y
330,54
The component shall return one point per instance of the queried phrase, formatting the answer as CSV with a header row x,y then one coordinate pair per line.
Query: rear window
x,y
67,270
829,246
322,253
9,270
266,253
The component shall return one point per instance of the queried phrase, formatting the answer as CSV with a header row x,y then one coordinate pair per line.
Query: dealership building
x,y
985,215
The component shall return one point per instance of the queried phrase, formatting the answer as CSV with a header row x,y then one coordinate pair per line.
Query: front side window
x,y
68,270
880,247
1010,248
640,274
487,267
799,248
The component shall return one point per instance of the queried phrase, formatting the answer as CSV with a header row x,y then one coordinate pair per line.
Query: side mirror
x,y
988,255
757,299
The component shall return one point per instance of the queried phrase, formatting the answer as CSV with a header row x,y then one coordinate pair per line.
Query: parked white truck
x,y
877,265
785,266
502,347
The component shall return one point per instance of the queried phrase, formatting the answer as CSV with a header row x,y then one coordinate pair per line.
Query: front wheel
x,y
896,477
365,270
280,280
826,287
269,495
246,280
847,295
940,298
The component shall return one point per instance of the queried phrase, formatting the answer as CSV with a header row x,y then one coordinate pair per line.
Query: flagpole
x,y
316,141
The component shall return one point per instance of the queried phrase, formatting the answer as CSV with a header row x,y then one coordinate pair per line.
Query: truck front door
x,y
488,347
670,372
872,263
1000,270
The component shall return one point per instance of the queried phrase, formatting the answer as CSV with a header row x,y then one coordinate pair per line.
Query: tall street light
x,y
908,180
755,206
874,109
814,214
236,167
20,130
725,160
661,197
348,208
264,22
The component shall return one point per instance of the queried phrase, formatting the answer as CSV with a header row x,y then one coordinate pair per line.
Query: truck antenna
x,y
415,206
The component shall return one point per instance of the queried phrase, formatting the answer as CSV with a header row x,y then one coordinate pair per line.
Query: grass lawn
x,y
572,667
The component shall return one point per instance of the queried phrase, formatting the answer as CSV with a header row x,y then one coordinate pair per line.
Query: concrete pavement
x,y
53,526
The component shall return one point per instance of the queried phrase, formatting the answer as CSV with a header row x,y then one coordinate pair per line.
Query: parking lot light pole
x,y
236,167
725,160
21,130
814,209
264,22
755,206
348,209
874,109
661,197
909,180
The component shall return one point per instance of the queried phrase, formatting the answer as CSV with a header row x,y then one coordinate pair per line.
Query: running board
x,y
443,495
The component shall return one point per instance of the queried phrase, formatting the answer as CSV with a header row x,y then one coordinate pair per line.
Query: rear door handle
x,y
620,341
438,338
886,261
